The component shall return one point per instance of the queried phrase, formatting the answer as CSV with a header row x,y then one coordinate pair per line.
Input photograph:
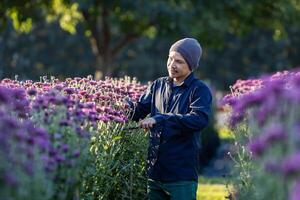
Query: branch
x,y
129,38
92,25
105,30
123,42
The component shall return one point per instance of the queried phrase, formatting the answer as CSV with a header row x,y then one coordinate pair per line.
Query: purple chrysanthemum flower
x,y
30,140
89,105
270,103
79,115
4,95
257,147
20,135
104,119
93,82
119,120
65,148
93,117
59,87
10,179
32,92
235,118
297,129
295,191
69,90
40,132
70,163
275,86
254,98
43,144
10,122
52,152
275,132
76,153
19,93
293,92
65,100
272,167
28,168
291,164
261,116
64,123
60,158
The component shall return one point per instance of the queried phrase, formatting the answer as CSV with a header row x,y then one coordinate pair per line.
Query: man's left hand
x,y
147,123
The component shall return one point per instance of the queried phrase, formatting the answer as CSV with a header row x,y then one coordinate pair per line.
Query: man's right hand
x,y
126,100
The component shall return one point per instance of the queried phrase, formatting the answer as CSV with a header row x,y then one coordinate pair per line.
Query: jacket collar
x,y
187,81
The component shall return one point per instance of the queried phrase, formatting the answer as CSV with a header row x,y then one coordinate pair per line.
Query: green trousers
x,y
181,190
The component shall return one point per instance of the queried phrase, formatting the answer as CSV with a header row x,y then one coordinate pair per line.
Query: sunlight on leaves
x,y
21,26
151,32
68,15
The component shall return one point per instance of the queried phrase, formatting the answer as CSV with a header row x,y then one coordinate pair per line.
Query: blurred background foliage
x,y
67,38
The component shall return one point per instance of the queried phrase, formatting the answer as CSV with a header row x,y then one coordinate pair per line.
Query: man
x,y
179,106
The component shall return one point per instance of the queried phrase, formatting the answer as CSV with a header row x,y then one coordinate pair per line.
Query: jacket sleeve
x,y
196,119
142,107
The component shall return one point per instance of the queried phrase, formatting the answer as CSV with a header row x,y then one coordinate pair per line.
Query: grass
x,y
212,192
212,189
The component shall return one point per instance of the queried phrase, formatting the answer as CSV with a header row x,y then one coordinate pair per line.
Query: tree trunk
x,y
104,66
101,42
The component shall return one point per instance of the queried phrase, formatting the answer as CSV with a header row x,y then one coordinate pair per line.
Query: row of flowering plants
x,y
68,140
265,117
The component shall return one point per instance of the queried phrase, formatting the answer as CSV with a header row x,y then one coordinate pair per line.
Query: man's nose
x,y
172,64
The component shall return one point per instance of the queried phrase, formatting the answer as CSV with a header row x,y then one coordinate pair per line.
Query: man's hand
x,y
147,123
126,100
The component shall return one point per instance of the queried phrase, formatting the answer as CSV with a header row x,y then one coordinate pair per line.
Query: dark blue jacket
x,y
181,112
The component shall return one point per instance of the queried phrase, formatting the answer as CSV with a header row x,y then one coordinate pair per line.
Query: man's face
x,y
177,66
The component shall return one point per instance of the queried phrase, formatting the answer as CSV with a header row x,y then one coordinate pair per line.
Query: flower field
x,y
72,140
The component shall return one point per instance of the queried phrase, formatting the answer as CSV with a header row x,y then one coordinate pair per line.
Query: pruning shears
x,y
131,128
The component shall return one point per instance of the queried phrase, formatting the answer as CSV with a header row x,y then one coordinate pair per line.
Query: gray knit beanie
x,y
190,50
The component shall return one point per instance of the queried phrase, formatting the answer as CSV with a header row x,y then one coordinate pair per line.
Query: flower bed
x,y
265,117
66,140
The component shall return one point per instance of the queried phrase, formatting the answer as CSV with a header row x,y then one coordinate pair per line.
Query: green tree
x,y
216,19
